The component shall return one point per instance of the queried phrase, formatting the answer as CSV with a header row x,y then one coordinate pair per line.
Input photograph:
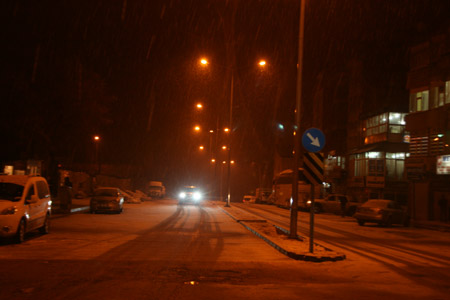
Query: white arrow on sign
x,y
314,140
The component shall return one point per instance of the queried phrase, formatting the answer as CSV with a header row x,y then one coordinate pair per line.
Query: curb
x,y
293,255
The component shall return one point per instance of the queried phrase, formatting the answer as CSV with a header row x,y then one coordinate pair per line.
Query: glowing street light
x,y
204,62
96,139
201,147
199,106
197,128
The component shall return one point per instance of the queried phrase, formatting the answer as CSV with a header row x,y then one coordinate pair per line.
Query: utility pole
x,y
298,102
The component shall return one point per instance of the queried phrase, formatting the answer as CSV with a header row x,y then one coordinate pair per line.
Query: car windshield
x,y
105,192
10,191
376,203
190,189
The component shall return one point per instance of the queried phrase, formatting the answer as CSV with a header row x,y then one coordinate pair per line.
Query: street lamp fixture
x,y
201,147
199,106
197,128
97,161
204,62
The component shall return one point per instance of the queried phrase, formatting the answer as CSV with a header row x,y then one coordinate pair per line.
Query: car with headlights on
x,y
190,194
107,199
25,205
381,211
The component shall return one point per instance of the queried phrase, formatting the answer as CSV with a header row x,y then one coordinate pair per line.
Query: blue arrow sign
x,y
313,140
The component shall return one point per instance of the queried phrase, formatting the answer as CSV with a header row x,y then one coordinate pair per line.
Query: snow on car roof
x,y
17,179
377,202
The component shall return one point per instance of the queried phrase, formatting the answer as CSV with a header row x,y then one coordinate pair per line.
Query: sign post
x,y
313,140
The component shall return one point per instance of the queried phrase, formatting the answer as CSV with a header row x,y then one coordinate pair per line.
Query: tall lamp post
x,y
230,122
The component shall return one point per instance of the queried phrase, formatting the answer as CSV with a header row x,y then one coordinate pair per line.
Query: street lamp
x,y
96,142
204,62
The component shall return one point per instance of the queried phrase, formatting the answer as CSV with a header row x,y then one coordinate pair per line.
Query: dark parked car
x,y
381,211
107,199
332,204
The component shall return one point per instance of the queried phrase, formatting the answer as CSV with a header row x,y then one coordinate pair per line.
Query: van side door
x,y
32,206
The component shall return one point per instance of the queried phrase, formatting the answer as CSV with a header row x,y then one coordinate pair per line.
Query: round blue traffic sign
x,y
313,140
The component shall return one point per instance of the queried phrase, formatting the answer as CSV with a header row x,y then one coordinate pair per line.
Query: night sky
x,y
128,71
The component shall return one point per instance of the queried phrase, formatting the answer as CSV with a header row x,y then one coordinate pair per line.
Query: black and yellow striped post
x,y
313,171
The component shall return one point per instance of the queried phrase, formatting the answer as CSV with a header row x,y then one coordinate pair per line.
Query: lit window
x,y
373,155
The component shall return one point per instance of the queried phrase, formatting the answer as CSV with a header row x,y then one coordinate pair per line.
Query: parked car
x,y
107,199
249,199
190,194
332,204
381,211
262,195
25,205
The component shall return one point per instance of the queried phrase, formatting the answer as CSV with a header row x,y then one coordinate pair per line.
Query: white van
x,y
25,205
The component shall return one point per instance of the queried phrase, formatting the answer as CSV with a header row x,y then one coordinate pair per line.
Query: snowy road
x,y
160,250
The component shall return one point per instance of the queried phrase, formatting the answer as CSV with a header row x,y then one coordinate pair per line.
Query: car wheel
x,y
361,222
20,235
45,227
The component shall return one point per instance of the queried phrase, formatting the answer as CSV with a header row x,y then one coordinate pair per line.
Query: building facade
x,y
428,124
376,168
